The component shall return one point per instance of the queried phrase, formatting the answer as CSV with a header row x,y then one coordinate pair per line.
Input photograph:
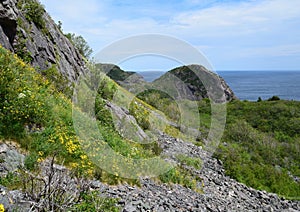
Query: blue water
x,y
150,76
249,85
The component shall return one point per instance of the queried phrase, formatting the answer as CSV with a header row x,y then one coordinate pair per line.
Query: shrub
x,y
259,99
93,202
180,176
140,113
190,161
260,160
33,11
60,82
274,98
161,101
12,181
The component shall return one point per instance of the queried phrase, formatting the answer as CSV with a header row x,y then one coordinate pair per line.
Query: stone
x,y
126,124
47,46
129,208
3,148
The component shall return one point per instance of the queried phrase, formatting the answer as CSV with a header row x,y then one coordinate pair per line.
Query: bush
x,y
190,161
33,11
140,113
274,98
161,101
12,181
260,160
60,82
180,176
92,201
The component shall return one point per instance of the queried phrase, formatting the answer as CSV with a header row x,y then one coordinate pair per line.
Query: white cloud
x,y
239,18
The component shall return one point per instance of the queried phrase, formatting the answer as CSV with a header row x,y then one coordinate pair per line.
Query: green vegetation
x,y
261,143
190,161
274,98
140,113
179,175
94,202
33,11
114,72
162,102
80,44
11,181
39,117
22,92
60,82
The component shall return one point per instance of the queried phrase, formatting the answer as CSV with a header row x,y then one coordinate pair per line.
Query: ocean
x,y
249,85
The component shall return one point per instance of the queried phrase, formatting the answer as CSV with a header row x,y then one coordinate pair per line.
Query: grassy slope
x,y
39,117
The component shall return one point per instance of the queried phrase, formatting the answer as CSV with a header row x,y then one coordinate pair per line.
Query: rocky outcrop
x,y
10,161
43,46
195,82
126,124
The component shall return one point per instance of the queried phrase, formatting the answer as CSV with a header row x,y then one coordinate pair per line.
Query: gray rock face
x,y
195,82
126,124
10,159
46,47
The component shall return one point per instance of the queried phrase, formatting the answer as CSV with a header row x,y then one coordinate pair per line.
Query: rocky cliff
x,y
27,30
195,82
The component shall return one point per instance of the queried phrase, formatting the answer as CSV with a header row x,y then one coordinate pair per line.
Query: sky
x,y
231,34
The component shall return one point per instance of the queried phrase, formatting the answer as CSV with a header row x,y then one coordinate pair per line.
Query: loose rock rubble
x,y
220,192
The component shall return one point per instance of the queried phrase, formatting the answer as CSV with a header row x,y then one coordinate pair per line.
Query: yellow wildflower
x,y
2,209
83,157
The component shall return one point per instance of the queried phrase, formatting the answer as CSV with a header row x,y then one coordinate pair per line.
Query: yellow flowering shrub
x,y
140,113
22,94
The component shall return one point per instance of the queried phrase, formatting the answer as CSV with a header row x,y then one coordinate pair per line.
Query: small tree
x,y
274,98
80,44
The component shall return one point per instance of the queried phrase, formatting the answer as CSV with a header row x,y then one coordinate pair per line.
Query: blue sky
x,y
232,34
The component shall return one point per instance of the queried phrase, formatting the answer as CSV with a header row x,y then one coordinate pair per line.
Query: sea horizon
x,y
252,84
